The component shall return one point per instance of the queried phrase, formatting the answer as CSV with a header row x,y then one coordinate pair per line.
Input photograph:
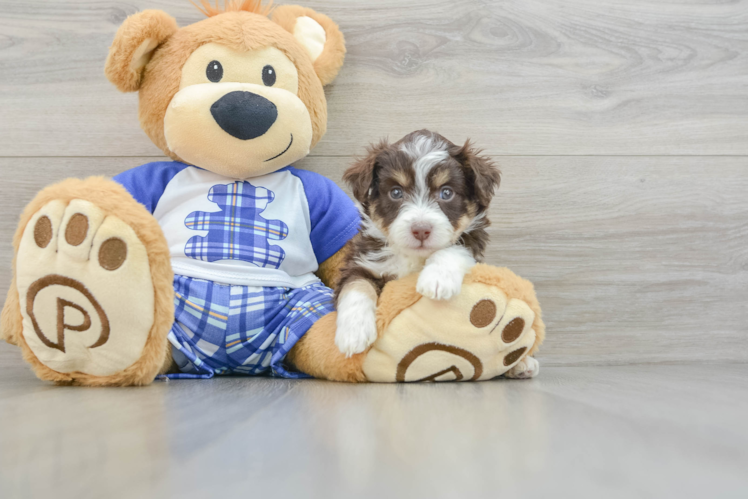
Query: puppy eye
x,y
214,71
446,194
396,193
268,76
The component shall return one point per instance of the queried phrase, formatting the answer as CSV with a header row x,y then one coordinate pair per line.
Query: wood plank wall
x,y
621,127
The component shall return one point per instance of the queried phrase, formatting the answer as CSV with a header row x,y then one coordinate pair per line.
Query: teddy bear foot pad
x,y
478,335
74,319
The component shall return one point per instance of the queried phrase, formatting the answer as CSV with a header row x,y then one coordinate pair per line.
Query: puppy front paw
x,y
527,368
439,283
356,327
354,336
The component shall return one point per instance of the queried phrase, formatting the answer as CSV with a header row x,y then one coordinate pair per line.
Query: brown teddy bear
x,y
221,261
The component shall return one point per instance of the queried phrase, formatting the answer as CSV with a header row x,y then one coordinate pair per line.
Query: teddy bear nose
x,y
244,115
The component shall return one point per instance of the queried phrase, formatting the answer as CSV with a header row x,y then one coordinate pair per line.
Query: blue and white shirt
x,y
271,231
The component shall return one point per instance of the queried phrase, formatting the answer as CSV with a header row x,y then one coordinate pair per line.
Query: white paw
x,y
356,324
527,368
439,283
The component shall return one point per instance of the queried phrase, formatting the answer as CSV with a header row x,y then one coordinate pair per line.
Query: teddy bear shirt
x,y
271,231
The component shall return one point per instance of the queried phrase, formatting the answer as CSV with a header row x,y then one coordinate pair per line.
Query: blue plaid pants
x,y
226,329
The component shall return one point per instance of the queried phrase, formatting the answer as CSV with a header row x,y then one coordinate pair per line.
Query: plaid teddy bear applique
x,y
238,231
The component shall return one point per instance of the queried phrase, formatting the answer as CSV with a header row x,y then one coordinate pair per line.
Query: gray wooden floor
x,y
627,431
621,127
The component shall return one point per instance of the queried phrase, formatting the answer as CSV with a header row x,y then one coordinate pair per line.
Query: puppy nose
x,y
244,115
421,231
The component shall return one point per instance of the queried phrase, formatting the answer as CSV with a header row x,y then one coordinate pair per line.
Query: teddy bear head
x,y
239,93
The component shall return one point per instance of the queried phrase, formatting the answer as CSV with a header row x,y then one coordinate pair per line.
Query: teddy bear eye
x,y
268,76
214,71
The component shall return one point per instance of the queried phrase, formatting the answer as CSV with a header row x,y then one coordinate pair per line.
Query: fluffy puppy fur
x,y
423,202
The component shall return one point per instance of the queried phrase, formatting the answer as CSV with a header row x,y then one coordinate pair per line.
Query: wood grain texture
x,y
621,128
559,77
610,432
634,259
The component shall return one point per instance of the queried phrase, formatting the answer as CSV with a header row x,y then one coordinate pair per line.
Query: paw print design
x,y
238,231
485,331
85,287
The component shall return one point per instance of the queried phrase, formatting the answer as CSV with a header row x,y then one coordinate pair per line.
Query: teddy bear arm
x,y
329,270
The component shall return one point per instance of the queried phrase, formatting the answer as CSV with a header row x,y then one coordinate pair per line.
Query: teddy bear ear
x,y
318,34
133,47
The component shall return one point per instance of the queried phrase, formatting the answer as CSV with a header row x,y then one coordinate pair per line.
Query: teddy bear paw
x,y
85,288
481,333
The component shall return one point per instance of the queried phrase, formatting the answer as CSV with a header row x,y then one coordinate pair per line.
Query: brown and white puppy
x,y
423,202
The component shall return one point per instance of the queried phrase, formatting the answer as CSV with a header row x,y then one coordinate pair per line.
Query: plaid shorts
x,y
226,329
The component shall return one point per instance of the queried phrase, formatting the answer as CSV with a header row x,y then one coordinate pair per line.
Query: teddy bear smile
x,y
283,152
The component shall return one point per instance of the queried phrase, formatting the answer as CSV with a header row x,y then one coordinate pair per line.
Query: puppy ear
x,y
318,34
483,176
133,47
360,176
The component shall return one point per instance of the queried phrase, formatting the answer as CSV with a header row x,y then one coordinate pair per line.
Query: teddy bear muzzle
x,y
237,129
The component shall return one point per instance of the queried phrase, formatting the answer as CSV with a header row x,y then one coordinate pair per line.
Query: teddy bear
x,y
222,261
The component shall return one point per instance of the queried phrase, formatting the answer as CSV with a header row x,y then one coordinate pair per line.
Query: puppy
x,y
423,202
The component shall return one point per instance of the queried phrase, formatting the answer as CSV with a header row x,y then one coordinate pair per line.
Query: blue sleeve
x,y
147,183
335,219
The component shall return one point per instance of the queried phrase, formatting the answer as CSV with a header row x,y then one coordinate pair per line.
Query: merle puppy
x,y
423,202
